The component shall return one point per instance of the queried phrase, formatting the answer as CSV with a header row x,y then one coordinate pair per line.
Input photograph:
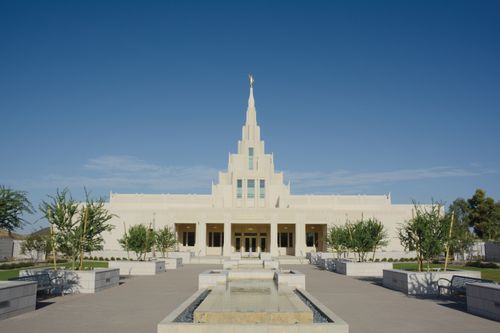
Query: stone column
x,y
300,240
274,239
201,239
227,239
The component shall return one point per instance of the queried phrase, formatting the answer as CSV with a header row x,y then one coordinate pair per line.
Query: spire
x,y
251,114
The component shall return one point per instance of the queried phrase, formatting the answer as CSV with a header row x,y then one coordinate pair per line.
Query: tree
x,y
78,228
378,234
35,245
462,239
61,212
93,221
165,239
484,216
425,233
367,236
337,239
13,204
138,239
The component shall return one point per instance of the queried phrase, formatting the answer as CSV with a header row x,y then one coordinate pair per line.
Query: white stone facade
x,y
251,210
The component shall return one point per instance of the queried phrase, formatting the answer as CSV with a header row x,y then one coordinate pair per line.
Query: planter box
x,y
172,263
139,267
85,282
17,297
419,283
483,299
368,269
291,278
209,279
185,256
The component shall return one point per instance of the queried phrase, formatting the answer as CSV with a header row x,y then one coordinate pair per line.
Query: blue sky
x,y
353,97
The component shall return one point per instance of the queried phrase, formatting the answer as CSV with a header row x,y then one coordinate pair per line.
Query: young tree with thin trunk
x,y
165,239
425,233
61,212
137,239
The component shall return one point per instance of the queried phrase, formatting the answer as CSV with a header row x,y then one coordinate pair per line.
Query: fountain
x,y
249,300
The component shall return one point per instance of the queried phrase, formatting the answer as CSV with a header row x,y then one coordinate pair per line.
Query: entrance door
x,y
250,246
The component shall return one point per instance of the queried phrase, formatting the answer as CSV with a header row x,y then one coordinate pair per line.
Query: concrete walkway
x,y
141,302
369,307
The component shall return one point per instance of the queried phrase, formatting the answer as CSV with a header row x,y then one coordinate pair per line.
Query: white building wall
x,y
276,207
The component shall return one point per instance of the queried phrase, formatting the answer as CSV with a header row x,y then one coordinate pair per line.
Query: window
x,y
290,239
250,158
215,239
188,238
311,239
262,188
251,188
283,239
239,188
238,244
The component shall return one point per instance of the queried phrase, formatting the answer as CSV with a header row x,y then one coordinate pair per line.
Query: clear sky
x,y
353,97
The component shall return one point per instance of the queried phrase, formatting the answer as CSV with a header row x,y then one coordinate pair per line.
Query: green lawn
x,y
11,273
486,273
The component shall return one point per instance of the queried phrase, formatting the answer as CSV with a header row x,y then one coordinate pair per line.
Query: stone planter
x,y
85,282
185,256
366,269
172,263
483,299
17,297
290,278
139,267
420,283
209,279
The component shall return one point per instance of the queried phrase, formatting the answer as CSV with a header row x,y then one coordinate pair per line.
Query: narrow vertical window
x,y
251,188
250,158
262,188
239,188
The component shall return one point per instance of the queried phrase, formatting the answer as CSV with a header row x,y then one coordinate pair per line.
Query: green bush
x,y
390,260
118,258
480,264
112,258
384,259
124,258
377,260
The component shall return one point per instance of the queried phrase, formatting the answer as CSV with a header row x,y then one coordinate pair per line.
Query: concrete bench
x,y
456,286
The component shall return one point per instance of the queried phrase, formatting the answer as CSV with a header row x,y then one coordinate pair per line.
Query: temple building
x,y
251,209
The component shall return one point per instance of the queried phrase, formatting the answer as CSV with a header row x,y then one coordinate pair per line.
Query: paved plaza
x,y
139,303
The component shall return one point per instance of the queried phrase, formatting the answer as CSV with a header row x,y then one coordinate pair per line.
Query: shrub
x,y
101,259
384,259
124,258
118,258
480,264
377,260
371,259
112,258
390,260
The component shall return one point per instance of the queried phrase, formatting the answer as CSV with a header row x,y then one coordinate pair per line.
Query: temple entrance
x,y
250,239
250,245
